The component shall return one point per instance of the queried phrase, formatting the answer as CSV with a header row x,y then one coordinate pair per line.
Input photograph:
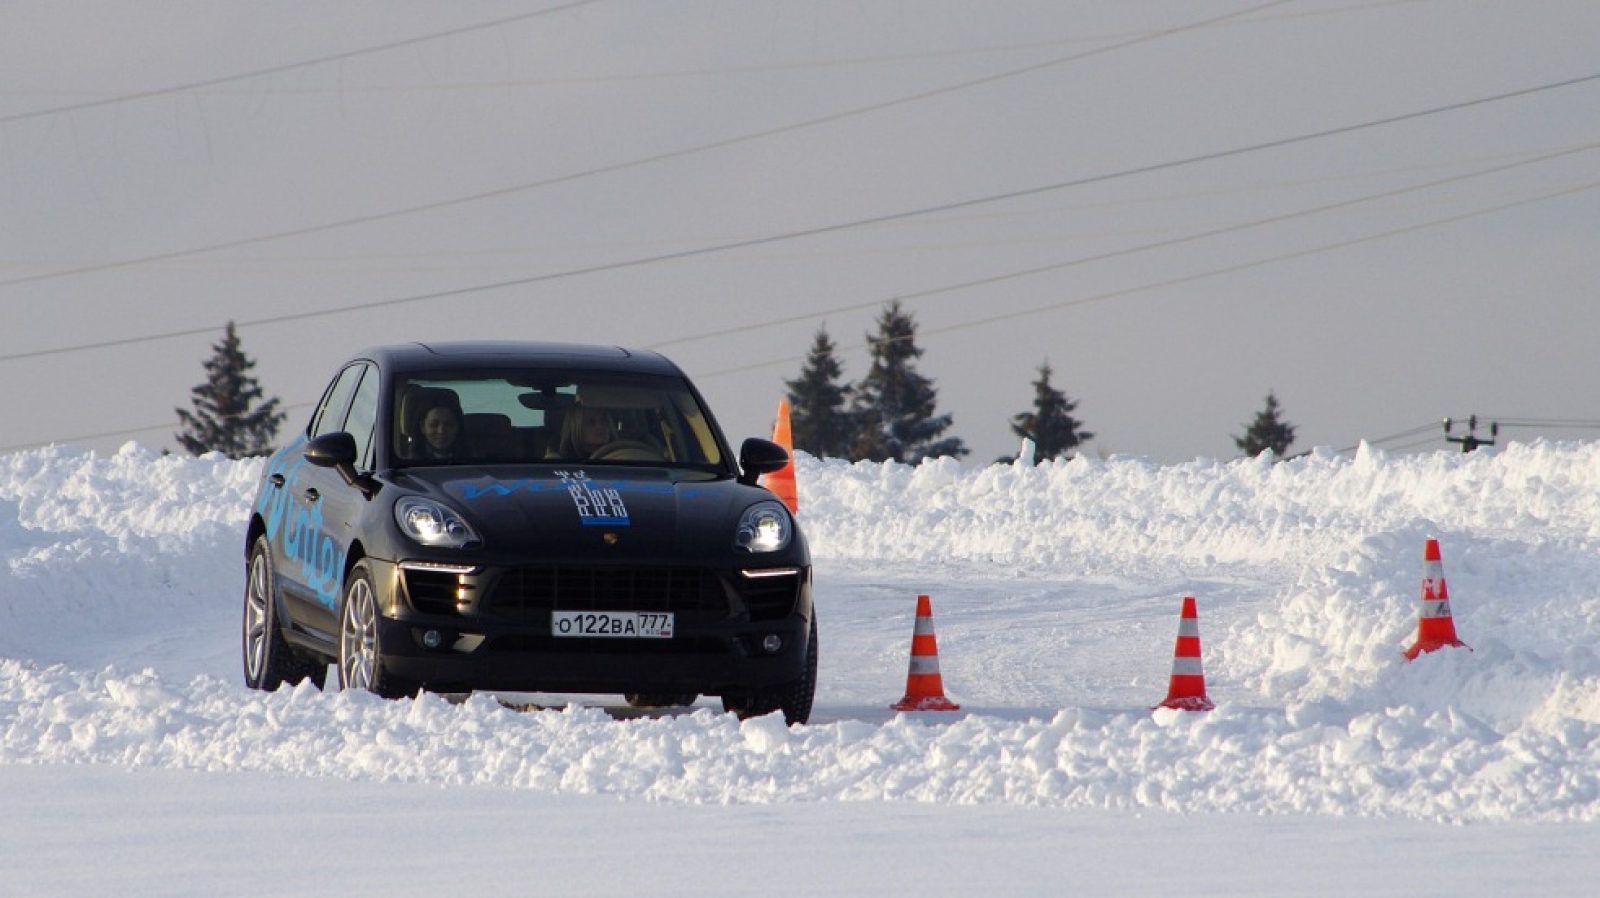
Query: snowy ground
x,y
133,761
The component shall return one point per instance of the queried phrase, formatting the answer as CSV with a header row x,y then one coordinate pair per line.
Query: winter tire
x,y
268,661
360,645
793,698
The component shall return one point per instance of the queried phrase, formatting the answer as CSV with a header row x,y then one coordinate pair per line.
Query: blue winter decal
x,y
598,505
300,535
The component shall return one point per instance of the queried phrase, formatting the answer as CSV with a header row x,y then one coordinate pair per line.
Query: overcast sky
x,y
1383,212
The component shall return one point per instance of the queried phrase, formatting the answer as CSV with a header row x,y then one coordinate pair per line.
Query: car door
x,y
315,546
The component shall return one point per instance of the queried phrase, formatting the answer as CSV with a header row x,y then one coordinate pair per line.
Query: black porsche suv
x,y
527,517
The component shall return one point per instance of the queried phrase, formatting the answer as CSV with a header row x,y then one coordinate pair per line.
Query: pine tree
x,y
1267,432
819,422
894,405
227,417
1050,425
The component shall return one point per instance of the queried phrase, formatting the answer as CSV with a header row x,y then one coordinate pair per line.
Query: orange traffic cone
x,y
781,481
1435,627
1187,691
924,685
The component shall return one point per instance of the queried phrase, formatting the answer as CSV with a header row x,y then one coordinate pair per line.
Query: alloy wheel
x,y
358,636
257,619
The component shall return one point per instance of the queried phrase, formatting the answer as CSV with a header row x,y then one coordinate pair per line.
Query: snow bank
x,y
1094,515
119,598
1442,765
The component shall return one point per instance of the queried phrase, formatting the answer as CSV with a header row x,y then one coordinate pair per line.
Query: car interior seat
x,y
489,435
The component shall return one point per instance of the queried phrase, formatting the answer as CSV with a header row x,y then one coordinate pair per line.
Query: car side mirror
x,y
758,457
332,450
338,451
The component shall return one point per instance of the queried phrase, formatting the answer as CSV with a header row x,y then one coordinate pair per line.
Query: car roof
x,y
502,353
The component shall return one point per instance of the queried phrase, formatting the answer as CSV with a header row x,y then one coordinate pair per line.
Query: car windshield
x,y
506,417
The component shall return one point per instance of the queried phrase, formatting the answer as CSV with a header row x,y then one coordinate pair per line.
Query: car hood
x,y
574,511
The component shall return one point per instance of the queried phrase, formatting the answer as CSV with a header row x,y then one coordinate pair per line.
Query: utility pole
x,y
1471,440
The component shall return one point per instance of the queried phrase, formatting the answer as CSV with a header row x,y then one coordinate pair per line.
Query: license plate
x,y
612,624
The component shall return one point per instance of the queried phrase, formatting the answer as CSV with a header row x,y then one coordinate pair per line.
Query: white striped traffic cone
x,y
1187,690
924,685
1435,627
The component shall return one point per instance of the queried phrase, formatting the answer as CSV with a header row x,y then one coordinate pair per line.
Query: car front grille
x,y
533,591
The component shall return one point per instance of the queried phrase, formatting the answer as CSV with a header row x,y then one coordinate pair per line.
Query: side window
x,y
363,415
330,414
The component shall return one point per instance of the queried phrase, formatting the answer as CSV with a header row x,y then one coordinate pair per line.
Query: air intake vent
x,y
533,591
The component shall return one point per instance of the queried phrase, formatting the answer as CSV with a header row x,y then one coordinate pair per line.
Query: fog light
x,y
772,643
432,639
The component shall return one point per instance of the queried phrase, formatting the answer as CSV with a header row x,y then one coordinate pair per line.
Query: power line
x,y
1546,424
1203,275
1414,444
1128,251
1100,297
648,160
286,67
825,229
1404,434
834,63
1139,289
85,438
1433,426
106,435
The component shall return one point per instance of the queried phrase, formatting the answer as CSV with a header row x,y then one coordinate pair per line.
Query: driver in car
x,y
592,429
582,432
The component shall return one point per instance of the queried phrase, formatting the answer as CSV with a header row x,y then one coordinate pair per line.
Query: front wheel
x,y
268,661
360,647
793,698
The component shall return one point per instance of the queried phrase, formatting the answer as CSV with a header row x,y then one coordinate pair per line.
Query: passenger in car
x,y
440,427
417,403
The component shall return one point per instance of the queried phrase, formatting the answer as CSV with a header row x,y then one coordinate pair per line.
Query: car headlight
x,y
764,527
433,523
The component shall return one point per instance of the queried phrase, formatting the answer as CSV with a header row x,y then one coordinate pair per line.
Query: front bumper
x,y
489,628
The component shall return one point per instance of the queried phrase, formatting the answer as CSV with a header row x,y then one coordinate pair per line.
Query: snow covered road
x,y
1055,595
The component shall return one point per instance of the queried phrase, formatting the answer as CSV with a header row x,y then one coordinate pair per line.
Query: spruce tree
x,y
229,416
1050,425
819,422
894,405
1268,431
